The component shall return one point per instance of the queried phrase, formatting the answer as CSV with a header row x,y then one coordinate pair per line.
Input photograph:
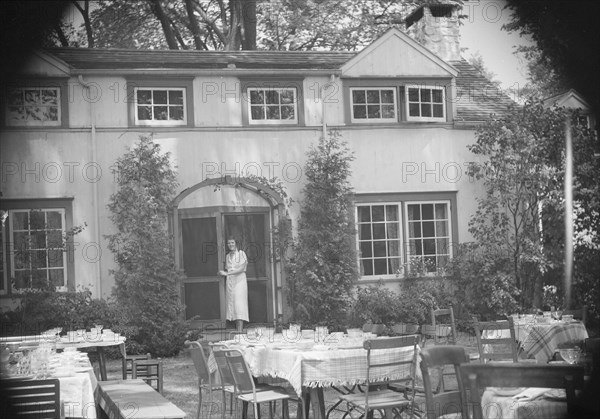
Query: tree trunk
x,y
85,13
64,42
235,21
165,24
249,25
194,27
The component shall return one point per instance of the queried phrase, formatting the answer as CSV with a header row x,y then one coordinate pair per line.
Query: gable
x,y
395,54
41,64
570,99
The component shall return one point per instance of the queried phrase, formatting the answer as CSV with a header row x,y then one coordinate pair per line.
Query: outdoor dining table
x,y
93,341
540,340
78,382
310,367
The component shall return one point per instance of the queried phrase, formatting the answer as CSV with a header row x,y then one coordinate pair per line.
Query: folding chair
x,y
496,340
246,390
477,376
443,402
31,398
442,328
205,377
377,395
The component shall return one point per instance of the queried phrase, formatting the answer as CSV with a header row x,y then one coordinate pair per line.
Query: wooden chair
x,y
496,340
205,377
246,390
443,402
150,370
591,347
377,395
442,328
31,398
477,376
127,363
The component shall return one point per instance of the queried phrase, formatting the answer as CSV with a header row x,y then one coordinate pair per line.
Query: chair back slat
x,y
443,402
241,373
32,398
478,376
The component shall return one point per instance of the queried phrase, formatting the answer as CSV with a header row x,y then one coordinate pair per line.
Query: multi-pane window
x,y
373,105
428,234
379,239
33,106
160,106
272,105
37,248
425,103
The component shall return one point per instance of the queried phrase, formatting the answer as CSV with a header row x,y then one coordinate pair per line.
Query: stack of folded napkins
x,y
531,393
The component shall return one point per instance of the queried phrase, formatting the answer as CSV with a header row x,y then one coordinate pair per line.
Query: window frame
x,y
160,122
373,120
358,240
176,83
435,238
402,199
61,86
270,83
265,121
63,205
432,118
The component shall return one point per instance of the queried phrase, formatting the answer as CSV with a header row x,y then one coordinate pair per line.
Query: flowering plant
x,y
551,297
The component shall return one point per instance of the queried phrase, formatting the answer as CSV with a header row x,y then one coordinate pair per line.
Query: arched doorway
x,y
203,216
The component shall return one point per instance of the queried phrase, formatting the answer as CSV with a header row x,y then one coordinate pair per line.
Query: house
x,y
407,105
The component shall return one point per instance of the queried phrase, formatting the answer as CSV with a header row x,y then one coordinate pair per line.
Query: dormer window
x,y
33,106
272,105
425,103
160,106
373,104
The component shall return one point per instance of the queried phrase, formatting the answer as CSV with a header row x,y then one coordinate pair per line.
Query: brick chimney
x,y
435,26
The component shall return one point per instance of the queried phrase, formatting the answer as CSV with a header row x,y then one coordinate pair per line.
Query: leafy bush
x,y
412,304
146,279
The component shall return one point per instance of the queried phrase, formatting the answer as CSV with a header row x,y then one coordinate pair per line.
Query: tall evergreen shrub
x,y
146,279
323,271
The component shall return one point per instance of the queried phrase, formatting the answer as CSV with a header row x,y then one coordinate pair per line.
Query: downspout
x,y
95,198
322,92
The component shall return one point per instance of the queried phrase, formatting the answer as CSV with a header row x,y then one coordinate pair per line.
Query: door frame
x,y
276,212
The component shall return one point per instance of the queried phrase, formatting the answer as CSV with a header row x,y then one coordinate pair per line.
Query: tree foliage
x,y
519,224
566,36
146,279
323,271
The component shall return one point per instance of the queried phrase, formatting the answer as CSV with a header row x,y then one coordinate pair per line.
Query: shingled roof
x,y
477,98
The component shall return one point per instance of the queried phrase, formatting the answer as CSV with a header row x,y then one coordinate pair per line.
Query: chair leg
x,y
199,402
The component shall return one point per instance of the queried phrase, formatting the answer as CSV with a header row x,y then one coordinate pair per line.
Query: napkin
x,y
530,394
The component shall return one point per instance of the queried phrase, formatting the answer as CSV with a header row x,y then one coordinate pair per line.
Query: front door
x,y
203,237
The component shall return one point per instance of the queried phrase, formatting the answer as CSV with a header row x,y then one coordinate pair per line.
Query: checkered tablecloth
x,y
501,407
540,340
321,368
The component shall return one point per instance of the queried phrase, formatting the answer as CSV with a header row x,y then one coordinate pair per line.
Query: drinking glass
x,y
570,355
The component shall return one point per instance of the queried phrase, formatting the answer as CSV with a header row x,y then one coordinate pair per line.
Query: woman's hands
x,y
222,273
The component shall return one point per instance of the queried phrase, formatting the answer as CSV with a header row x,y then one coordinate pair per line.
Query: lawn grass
x,y
180,385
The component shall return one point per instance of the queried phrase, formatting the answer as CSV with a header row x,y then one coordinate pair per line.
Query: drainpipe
x,y
322,92
95,198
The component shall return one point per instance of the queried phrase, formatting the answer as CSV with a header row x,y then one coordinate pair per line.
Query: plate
x,y
508,391
556,394
321,347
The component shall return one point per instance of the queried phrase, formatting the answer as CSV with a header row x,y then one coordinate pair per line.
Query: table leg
x,y
101,362
317,399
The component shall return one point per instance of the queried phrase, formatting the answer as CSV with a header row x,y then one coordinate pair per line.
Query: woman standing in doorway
x,y
237,285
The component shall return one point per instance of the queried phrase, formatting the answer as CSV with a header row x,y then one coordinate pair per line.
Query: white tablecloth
x,y
77,395
321,368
